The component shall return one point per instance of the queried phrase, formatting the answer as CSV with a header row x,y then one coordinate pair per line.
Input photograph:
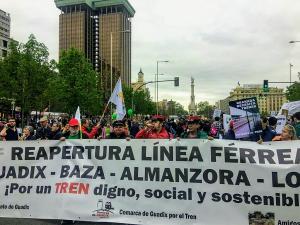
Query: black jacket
x,y
11,135
43,133
114,136
30,138
55,135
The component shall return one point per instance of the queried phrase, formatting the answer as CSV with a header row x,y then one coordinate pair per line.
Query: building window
x,y
4,53
4,44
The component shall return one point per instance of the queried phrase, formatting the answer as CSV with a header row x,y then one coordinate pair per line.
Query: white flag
x,y
117,98
77,115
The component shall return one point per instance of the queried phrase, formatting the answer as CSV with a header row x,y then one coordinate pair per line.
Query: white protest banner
x,y
226,121
152,181
281,121
289,108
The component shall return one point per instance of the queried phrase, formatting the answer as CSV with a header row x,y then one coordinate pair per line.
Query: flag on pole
x,y
117,98
77,116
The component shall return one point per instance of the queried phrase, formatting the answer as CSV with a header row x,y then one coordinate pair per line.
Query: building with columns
x,y
267,101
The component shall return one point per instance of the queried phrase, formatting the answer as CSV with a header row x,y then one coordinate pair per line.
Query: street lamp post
x,y
156,82
291,73
292,42
111,66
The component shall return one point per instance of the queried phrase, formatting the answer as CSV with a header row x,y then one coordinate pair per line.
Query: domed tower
x,y
140,84
141,77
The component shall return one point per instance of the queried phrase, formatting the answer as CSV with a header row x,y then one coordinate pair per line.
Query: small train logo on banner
x,y
103,211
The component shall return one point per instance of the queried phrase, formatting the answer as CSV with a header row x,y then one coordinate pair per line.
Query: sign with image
x,y
246,117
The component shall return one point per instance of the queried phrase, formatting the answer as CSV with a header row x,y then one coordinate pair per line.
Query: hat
x,y
158,118
44,119
194,119
73,122
118,123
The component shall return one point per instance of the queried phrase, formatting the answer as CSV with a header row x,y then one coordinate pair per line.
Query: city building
x,y
4,33
192,105
267,101
166,107
101,29
223,105
140,84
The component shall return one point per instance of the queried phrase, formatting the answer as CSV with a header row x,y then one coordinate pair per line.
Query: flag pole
x,y
78,117
104,112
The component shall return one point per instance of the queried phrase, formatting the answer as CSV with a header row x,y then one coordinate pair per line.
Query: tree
x,y
140,101
293,92
205,109
179,109
75,85
24,76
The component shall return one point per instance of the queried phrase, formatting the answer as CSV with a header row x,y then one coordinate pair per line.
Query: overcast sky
x,y
218,42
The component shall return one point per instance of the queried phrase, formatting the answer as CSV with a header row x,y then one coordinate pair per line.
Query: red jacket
x,y
89,134
163,134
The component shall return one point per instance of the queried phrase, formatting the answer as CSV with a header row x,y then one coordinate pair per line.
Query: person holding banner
x,y
119,131
270,130
193,130
288,134
28,134
55,133
44,131
154,129
85,123
74,131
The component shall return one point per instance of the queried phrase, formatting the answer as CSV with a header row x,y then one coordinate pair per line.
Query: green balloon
x,y
114,116
130,112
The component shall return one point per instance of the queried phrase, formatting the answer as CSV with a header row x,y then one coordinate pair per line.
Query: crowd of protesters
x,y
150,127
154,127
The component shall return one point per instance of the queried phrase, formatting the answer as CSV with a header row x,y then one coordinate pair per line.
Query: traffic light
x,y
176,81
266,86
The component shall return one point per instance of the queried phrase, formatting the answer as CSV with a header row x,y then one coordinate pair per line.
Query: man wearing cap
x,y
74,130
43,132
154,129
193,130
119,131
